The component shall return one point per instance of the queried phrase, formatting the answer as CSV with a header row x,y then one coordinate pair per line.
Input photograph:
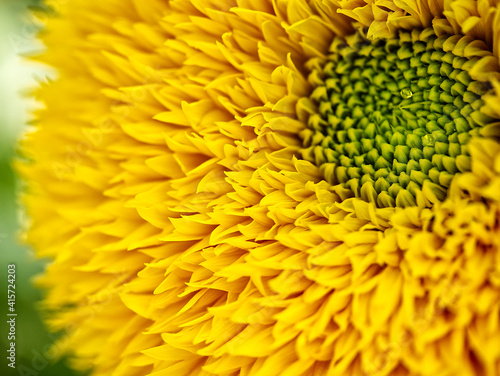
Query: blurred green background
x,y
18,30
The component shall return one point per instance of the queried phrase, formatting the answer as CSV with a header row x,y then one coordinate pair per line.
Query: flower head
x,y
271,187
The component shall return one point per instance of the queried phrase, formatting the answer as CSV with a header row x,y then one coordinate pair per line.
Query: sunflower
x,y
270,187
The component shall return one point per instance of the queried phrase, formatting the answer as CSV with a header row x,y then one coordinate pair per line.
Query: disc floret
x,y
394,116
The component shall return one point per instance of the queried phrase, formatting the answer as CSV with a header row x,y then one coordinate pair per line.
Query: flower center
x,y
393,116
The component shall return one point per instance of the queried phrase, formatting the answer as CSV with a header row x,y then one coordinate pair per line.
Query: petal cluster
x,y
188,235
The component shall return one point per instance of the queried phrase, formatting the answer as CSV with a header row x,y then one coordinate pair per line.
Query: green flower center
x,y
393,116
